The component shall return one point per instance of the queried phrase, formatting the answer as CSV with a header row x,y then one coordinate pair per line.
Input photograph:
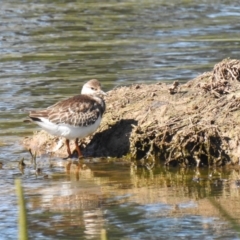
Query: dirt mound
x,y
187,124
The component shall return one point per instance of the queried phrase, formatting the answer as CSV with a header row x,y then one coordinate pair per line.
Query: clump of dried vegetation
x,y
197,123
201,125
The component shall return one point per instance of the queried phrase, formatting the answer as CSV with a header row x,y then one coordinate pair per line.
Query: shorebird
x,y
75,117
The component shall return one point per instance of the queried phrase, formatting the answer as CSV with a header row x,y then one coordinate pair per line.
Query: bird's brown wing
x,y
81,110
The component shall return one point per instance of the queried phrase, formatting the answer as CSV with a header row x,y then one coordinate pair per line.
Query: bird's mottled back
x,y
80,110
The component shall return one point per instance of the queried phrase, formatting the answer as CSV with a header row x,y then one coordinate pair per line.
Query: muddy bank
x,y
196,123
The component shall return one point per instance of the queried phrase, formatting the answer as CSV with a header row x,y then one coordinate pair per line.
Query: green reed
x,y
22,219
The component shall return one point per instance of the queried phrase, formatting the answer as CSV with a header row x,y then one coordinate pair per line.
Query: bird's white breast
x,y
68,131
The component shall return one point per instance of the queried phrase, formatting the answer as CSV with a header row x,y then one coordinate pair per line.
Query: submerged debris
x,y
197,125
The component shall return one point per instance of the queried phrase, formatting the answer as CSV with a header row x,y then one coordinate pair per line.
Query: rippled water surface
x,y
48,50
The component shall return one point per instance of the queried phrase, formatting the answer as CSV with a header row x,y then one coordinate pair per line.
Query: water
x,y
128,203
48,49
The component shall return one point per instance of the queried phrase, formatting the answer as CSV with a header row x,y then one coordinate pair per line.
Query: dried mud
x,y
196,123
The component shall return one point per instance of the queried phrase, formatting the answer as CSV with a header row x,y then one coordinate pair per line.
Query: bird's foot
x,y
74,155
68,157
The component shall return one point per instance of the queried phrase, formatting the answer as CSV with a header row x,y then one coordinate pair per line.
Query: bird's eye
x,y
92,88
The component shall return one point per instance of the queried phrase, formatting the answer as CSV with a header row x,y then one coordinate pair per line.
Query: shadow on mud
x,y
113,142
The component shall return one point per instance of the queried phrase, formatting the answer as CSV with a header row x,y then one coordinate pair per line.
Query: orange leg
x,y
68,148
77,148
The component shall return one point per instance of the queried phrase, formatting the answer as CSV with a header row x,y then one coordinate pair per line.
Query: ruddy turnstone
x,y
75,117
